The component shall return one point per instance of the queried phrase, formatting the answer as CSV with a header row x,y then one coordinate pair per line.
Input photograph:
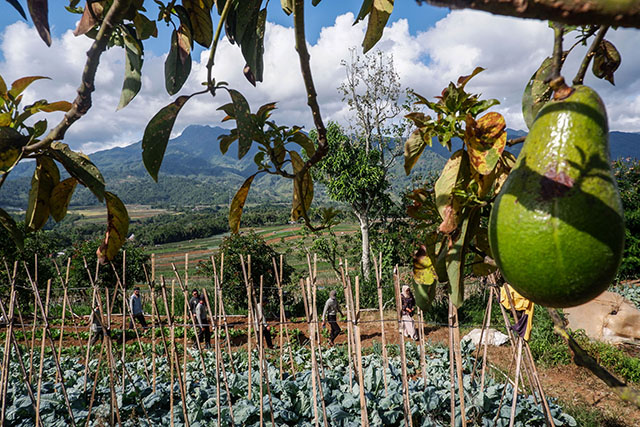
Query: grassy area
x,y
93,214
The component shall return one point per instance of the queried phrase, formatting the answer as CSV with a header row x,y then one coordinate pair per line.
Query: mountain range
x,y
195,172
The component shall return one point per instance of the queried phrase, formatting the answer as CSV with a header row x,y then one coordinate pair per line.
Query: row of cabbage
x,y
291,397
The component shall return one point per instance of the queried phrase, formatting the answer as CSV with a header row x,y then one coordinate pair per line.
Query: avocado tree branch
x,y
312,96
216,38
582,358
579,78
574,12
82,103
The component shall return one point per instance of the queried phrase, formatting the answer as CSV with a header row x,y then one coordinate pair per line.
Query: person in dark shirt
x,y
135,305
331,308
204,333
408,308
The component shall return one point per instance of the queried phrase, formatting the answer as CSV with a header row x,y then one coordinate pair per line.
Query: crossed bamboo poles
x,y
219,321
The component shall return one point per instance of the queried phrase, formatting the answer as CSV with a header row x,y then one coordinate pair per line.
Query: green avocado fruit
x,y
424,295
556,229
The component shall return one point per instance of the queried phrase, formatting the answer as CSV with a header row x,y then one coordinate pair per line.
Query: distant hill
x,y
195,172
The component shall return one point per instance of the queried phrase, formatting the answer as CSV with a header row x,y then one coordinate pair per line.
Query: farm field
x,y
282,238
147,397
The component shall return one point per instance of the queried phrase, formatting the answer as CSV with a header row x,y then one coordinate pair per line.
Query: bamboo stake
x,y
53,346
114,410
16,346
263,366
306,294
385,358
173,297
33,336
515,387
532,372
423,347
42,346
64,303
185,293
458,355
249,314
260,330
93,389
349,322
184,339
216,344
218,284
487,313
218,351
135,329
153,321
175,358
528,370
93,302
408,419
314,311
283,314
321,378
364,418
452,362
4,378
484,351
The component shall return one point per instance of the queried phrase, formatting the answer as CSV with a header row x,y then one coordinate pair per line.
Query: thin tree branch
x,y
579,78
573,12
82,103
216,38
558,34
312,96
515,141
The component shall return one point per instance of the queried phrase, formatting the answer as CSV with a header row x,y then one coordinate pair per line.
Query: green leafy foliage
x,y
291,402
249,244
627,173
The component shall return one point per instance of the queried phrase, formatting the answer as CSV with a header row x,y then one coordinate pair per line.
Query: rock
x,y
491,337
609,318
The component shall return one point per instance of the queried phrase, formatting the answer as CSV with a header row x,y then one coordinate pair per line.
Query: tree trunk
x,y
364,233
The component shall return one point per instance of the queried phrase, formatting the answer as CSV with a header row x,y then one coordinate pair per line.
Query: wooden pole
x,y
344,271
42,346
385,358
185,293
33,336
260,329
249,315
4,378
314,311
458,355
283,315
135,329
53,346
218,351
321,377
484,350
423,346
93,388
88,350
181,382
355,314
218,294
452,364
306,294
263,364
16,346
514,401
64,303
408,419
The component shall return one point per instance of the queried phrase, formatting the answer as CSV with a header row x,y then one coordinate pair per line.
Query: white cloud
x,y
425,58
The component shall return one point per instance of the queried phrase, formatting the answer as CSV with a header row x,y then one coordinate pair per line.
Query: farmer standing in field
x,y
331,308
96,327
204,333
135,304
408,307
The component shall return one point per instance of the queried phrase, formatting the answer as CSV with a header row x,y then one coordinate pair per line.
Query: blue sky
x,y
430,47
